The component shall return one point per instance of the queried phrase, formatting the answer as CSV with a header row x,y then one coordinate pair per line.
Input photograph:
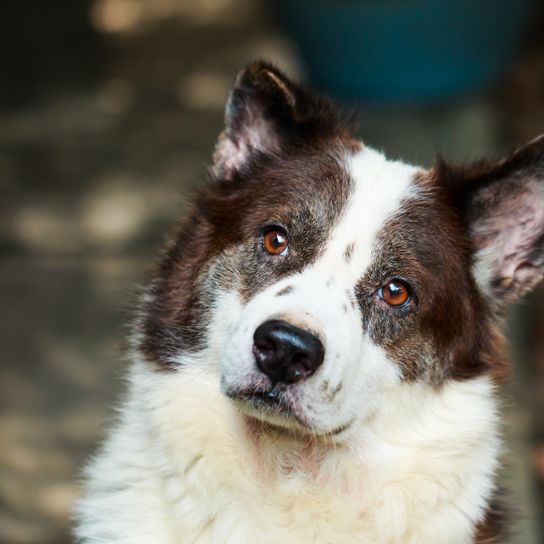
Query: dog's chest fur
x,y
218,479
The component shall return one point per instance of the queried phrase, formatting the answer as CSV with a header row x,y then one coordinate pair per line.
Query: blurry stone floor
x,y
95,167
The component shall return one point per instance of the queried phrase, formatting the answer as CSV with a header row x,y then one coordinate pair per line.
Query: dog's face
x,y
318,277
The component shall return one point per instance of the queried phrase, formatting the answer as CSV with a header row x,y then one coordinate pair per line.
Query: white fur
x,y
185,464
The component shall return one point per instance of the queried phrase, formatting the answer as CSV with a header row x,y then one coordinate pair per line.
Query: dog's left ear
x,y
265,113
502,205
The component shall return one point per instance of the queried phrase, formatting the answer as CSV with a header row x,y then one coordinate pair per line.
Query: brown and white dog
x,y
317,355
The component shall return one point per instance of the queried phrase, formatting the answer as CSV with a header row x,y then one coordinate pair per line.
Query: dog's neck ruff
x,y
420,472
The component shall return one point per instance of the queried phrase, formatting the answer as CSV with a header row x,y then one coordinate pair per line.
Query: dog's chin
x,y
277,411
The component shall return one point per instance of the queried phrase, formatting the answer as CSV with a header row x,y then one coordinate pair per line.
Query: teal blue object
x,y
407,50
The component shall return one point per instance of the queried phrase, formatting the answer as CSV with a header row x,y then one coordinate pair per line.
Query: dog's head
x,y
316,276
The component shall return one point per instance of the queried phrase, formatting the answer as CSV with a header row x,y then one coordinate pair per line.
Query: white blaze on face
x,y
355,370
380,186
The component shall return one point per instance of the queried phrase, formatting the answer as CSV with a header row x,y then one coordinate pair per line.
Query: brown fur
x,y
444,331
493,528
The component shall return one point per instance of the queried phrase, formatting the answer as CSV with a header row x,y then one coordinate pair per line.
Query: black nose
x,y
286,353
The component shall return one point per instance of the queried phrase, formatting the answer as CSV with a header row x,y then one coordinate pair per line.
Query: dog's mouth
x,y
270,401
276,407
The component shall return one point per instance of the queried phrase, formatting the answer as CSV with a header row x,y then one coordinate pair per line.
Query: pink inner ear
x,y
233,150
525,273
229,156
517,236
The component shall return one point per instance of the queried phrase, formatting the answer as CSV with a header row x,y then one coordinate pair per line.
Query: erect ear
x,y
502,205
265,112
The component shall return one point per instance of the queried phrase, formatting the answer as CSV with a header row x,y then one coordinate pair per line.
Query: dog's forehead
x,y
380,187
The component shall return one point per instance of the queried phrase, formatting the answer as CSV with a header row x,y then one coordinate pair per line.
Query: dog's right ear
x,y
265,112
502,206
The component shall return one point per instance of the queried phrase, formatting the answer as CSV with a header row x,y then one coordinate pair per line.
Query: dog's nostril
x,y
296,372
286,353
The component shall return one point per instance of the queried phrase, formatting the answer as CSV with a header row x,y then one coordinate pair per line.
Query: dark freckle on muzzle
x,y
335,391
331,393
351,298
285,291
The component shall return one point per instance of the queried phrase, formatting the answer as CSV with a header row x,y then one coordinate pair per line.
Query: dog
x,y
317,355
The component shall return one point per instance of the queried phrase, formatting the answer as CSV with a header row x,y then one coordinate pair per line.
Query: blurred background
x,y
109,110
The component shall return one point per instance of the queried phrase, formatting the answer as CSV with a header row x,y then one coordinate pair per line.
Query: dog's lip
x,y
341,428
272,401
267,398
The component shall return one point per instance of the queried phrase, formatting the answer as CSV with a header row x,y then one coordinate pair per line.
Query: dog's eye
x,y
396,293
275,242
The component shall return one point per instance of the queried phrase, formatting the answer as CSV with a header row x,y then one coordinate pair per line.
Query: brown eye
x,y
275,242
396,293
